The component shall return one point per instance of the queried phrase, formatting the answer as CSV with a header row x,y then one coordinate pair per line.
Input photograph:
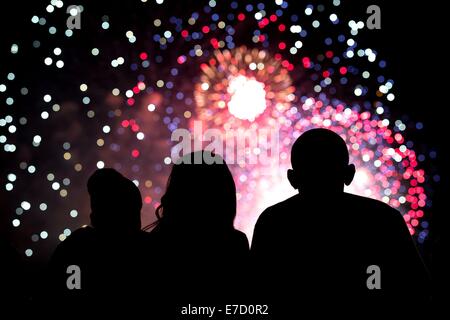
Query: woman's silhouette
x,y
200,253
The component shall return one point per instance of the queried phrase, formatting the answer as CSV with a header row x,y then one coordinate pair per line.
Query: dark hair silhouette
x,y
197,248
116,202
320,161
198,194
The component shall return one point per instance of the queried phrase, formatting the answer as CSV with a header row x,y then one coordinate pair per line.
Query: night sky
x,y
111,93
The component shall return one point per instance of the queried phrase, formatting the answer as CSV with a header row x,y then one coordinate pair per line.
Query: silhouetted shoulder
x,y
240,240
73,247
272,225
368,202
240,236
373,209
81,235
279,211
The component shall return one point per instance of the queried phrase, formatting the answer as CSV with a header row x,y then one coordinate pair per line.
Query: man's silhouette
x,y
109,253
324,245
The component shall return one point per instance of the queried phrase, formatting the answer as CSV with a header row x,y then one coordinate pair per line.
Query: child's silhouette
x,y
109,253
319,243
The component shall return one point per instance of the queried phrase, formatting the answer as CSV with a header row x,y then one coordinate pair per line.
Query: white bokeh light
x,y
248,98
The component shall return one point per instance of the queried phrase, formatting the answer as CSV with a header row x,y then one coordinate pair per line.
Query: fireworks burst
x,y
247,81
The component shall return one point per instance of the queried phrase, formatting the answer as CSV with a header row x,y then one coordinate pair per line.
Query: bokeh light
x,y
248,98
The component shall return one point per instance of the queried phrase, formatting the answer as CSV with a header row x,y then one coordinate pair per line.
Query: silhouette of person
x,y
200,254
110,254
318,246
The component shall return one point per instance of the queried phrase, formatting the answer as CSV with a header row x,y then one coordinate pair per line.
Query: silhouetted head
x,y
115,201
200,195
320,163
